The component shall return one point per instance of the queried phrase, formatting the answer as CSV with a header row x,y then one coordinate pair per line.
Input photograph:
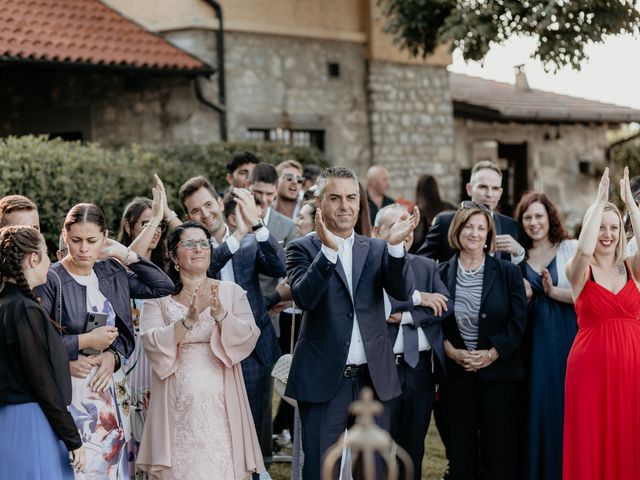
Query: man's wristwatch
x,y
257,226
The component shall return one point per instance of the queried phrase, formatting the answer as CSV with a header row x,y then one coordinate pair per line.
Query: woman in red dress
x,y
602,399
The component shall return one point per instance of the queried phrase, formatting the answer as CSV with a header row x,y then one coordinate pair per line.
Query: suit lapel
x,y
489,277
236,261
339,269
359,256
453,276
497,223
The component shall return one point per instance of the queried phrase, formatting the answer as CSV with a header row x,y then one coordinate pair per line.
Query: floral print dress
x,y
102,418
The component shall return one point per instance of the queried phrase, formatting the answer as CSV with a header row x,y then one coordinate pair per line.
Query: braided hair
x,y
172,247
16,242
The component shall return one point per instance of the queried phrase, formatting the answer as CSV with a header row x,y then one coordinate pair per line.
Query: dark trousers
x,y
411,411
285,414
257,380
323,423
484,434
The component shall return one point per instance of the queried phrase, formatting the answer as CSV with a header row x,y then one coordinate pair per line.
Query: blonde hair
x,y
460,219
621,247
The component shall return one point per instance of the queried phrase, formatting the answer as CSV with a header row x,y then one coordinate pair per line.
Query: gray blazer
x,y
283,230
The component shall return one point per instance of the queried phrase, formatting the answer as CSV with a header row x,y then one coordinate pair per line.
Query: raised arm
x,y
577,267
634,215
141,243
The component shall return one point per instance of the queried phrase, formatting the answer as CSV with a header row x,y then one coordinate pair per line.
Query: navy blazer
x,y
65,300
436,244
503,318
252,258
320,288
427,279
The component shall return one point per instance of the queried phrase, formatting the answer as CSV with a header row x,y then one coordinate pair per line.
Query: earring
x,y
177,267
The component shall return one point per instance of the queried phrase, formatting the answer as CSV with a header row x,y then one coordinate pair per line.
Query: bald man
x,y
378,182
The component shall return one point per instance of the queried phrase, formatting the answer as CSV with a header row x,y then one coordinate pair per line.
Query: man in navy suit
x,y
415,328
337,278
239,258
484,187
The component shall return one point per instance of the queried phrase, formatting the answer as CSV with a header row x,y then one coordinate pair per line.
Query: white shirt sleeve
x,y
262,235
233,244
331,254
396,251
416,298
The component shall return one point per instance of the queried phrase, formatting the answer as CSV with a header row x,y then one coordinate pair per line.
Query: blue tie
x,y
411,353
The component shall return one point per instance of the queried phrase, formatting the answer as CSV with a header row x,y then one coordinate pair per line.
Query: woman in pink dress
x,y
602,392
199,425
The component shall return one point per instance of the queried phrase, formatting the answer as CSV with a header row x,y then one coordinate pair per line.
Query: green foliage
x,y
628,155
562,27
57,174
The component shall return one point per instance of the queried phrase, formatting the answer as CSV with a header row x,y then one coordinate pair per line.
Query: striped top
x,y
467,304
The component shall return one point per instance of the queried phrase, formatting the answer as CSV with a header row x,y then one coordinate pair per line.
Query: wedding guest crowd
x,y
151,356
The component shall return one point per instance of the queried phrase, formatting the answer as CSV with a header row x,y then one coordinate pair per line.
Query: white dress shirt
x,y
407,319
226,273
356,355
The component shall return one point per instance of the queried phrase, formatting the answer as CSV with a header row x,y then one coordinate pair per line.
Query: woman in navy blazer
x,y
483,350
98,277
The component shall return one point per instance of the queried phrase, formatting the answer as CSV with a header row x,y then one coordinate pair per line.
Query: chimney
x,y
521,78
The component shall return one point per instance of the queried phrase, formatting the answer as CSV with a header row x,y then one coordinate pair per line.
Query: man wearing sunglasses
x,y
290,180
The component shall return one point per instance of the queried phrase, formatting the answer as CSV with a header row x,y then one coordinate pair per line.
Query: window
x,y
301,138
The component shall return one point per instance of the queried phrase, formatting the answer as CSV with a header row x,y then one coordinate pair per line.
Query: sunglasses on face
x,y
290,177
162,226
191,244
471,204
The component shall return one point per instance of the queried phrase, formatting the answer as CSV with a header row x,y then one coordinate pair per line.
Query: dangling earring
x,y
177,267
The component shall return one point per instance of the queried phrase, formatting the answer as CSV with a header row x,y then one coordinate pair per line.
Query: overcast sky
x,y
612,73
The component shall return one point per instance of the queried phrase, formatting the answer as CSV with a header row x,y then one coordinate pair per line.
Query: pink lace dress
x,y
201,437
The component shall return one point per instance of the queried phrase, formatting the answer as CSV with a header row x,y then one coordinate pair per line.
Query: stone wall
x,y
412,125
112,108
554,156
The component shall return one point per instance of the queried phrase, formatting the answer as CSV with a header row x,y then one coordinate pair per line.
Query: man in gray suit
x,y
263,184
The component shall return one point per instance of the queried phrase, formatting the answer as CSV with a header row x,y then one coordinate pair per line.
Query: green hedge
x,y
57,174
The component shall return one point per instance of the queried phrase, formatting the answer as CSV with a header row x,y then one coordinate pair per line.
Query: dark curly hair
x,y
172,247
16,242
131,215
557,230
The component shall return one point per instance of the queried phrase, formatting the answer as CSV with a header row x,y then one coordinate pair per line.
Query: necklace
x,y
472,271
192,293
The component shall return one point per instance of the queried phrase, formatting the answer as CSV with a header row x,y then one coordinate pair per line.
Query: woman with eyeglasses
x,y
482,344
551,329
143,229
199,423
92,287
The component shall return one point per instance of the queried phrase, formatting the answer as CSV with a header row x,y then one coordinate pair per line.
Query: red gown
x,y
602,387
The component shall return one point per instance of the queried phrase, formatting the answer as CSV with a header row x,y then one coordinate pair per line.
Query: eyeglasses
x,y
191,244
162,226
472,204
290,177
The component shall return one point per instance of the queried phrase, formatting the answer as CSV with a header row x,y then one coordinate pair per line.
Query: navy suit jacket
x,y
320,288
427,279
252,258
436,245
503,317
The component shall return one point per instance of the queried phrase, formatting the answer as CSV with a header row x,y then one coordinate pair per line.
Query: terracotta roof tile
x,y
84,31
511,103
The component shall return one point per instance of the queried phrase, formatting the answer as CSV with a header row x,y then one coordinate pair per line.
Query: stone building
x,y
318,72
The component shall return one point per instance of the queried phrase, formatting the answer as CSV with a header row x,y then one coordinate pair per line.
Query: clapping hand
x,y
603,188
192,313
247,203
625,192
547,282
216,310
325,236
404,227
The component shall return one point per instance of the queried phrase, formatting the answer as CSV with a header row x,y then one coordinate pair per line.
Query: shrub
x,y
58,174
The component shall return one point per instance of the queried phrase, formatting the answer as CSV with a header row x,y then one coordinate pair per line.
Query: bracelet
x,y
115,357
129,253
171,216
489,355
184,324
